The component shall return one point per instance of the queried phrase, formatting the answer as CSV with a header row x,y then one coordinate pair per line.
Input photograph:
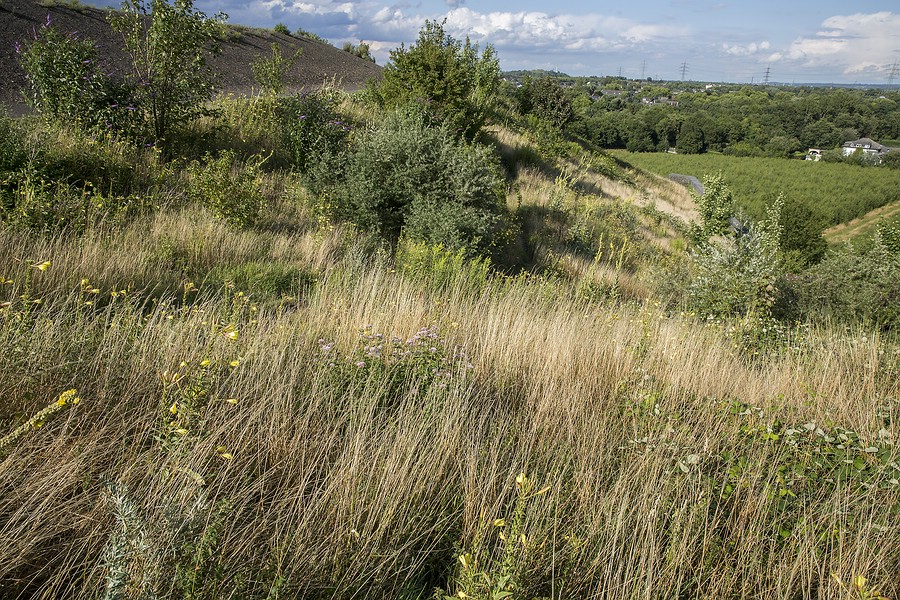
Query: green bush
x,y
406,176
168,44
65,84
12,145
282,29
545,98
312,129
853,284
228,189
455,84
269,71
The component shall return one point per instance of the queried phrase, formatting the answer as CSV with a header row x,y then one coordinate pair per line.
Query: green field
x,y
839,192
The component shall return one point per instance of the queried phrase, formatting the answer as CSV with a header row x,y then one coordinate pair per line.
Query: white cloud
x,y
747,49
858,43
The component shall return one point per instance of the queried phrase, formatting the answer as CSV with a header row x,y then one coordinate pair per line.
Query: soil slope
x,y
19,19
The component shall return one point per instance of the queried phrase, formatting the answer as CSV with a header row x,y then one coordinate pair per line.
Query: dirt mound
x,y
19,19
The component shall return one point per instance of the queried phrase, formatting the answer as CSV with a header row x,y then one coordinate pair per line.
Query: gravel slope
x,y
19,19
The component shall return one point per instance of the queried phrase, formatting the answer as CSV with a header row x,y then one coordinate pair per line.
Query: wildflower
x,y
68,397
231,400
43,266
231,334
234,363
174,408
360,363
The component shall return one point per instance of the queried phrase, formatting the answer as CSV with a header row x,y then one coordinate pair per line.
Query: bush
x,y
65,84
282,29
168,44
361,51
546,99
407,176
269,71
455,84
854,285
12,145
312,129
229,190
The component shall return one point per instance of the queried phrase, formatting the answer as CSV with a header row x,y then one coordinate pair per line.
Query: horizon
x,y
671,40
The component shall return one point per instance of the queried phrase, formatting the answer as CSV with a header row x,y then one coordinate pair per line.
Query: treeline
x,y
742,120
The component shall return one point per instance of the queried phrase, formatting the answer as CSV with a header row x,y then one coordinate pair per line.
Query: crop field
x,y
839,192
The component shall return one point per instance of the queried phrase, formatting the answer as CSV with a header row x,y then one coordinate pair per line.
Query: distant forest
x,y
741,120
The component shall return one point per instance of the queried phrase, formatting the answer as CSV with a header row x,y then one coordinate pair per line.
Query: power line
x,y
766,77
644,68
893,74
684,70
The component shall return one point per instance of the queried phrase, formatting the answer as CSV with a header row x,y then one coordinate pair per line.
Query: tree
x,y
454,82
269,71
690,137
715,206
168,44
361,51
546,99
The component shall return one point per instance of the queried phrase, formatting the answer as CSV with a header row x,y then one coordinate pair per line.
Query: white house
x,y
866,146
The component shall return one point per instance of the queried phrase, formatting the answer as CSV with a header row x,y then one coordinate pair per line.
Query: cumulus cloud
x,y
750,49
852,44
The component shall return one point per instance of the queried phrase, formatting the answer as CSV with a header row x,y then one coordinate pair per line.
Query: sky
x,y
795,41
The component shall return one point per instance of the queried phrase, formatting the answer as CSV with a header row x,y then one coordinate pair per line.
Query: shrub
x,y
455,84
282,29
62,80
269,71
312,129
65,84
168,44
361,51
737,276
715,206
230,190
545,98
12,145
407,175
853,284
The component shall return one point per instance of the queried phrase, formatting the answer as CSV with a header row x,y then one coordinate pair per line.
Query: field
x,y
286,410
838,192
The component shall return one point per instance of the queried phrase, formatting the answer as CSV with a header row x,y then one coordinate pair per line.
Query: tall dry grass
x,y
325,479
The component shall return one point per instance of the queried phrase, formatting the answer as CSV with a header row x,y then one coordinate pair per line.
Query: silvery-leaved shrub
x,y
408,176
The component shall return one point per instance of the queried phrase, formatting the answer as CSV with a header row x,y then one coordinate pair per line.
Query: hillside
x,y
323,347
319,62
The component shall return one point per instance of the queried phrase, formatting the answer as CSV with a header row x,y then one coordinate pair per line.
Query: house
x,y
867,146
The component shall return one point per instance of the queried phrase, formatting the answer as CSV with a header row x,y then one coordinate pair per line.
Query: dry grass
x,y
344,483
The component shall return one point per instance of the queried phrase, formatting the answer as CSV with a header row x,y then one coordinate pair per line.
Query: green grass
x,y
838,192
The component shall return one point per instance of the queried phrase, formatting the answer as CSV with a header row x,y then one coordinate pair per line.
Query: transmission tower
x,y
766,77
684,70
644,69
895,71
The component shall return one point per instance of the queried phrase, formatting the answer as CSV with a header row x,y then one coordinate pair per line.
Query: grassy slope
x,y
673,465
839,192
864,225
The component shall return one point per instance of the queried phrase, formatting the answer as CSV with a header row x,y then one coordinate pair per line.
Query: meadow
x,y
345,346
837,192
287,410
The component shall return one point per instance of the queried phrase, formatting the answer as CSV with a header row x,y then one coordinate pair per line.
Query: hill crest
x,y
19,19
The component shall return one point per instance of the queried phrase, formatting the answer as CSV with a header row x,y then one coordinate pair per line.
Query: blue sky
x,y
799,41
